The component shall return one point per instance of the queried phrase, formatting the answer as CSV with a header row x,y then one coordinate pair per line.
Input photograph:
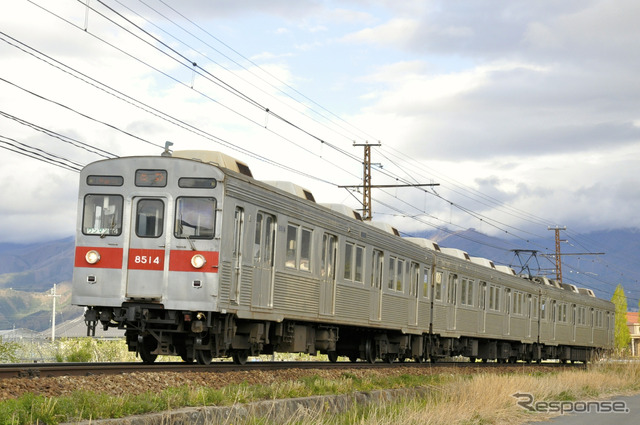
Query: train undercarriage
x,y
150,330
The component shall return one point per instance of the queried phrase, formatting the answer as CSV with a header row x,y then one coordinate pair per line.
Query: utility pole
x,y
558,256
367,212
53,316
366,181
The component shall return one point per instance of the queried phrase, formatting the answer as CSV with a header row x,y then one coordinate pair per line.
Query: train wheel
x,y
146,347
240,357
333,356
203,357
369,355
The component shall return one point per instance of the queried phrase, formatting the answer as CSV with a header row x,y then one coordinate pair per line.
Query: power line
x,y
445,199
38,154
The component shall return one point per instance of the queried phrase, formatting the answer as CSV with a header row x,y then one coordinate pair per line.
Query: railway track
x,y
38,370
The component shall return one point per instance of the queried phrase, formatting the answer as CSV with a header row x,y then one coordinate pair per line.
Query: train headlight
x,y
92,257
198,261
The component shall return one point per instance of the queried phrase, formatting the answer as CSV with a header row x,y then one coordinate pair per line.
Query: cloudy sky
x,y
525,113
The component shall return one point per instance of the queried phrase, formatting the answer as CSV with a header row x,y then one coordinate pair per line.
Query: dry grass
x,y
488,398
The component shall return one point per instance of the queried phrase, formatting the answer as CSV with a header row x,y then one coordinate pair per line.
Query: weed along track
x,y
59,379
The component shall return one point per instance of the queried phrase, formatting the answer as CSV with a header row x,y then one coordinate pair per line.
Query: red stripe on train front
x,y
110,258
180,261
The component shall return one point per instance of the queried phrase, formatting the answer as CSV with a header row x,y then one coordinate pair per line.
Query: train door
x,y
574,322
529,315
414,291
592,324
147,250
482,307
262,293
452,308
507,312
328,274
554,316
236,256
375,300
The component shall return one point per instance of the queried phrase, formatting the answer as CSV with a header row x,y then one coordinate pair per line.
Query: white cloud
x,y
533,104
394,32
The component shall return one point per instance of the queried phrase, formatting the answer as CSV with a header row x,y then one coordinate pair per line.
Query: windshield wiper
x,y
111,228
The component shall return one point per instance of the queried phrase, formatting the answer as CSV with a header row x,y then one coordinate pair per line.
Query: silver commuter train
x,y
191,256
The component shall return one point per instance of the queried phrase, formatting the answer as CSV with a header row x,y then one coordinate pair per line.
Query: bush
x,y
8,351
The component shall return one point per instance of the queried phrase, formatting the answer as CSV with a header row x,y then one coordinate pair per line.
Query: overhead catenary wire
x,y
13,145
446,200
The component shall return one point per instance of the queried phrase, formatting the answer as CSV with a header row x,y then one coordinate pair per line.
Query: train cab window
x,y
195,218
102,215
150,218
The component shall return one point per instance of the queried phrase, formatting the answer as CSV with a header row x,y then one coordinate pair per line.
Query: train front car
x,y
147,250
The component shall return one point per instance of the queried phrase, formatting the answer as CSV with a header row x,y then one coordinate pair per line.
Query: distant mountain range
x,y
617,263
28,271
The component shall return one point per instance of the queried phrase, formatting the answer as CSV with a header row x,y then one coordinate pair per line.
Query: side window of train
x,y
438,287
377,263
599,320
396,276
534,307
195,218
518,303
466,292
298,252
353,262
263,240
391,276
482,303
494,298
102,215
150,218
543,309
451,288
426,279
401,275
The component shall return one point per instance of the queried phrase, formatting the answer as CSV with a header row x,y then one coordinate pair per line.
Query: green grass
x,y
83,405
489,402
